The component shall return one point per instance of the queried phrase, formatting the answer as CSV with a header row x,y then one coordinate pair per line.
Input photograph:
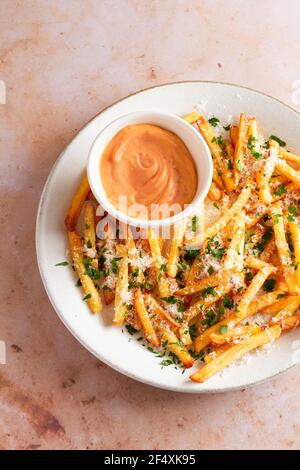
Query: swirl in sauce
x,y
149,165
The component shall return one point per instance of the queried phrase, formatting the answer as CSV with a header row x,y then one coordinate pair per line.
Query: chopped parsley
x,y
223,329
191,254
216,205
214,249
114,264
209,291
130,329
213,121
63,263
276,218
282,143
210,270
269,285
227,128
194,223
87,297
280,190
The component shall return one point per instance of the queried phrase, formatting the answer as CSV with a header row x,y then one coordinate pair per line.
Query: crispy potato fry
x,y
235,352
91,293
153,305
194,239
216,352
176,242
290,323
219,278
290,157
177,348
89,232
288,311
235,252
76,204
121,291
252,290
264,174
257,305
218,153
144,318
286,170
228,214
295,237
240,148
191,118
214,192
234,134
160,268
237,333
282,247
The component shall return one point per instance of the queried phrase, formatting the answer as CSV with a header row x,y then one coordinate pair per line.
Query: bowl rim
x,y
94,158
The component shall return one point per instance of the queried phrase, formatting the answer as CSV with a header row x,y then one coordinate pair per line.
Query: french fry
x,y
286,170
195,239
252,290
191,118
257,263
268,251
76,204
287,311
177,348
236,352
235,251
295,236
234,134
144,318
89,231
237,333
240,148
290,157
233,319
162,282
218,153
91,293
153,305
214,192
121,291
282,247
219,278
228,214
133,255
216,352
264,174
290,323
176,242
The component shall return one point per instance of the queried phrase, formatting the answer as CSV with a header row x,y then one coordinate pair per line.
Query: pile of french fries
x,y
213,294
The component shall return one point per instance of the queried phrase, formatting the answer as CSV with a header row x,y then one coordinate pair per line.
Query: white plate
x,y
108,343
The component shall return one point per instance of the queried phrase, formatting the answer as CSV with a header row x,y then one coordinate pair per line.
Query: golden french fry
x,y
176,242
153,305
144,318
121,292
218,151
235,352
234,134
228,214
160,267
235,252
77,203
288,311
216,352
252,290
239,332
175,345
289,323
232,320
290,157
295,237
91,293
194,238
286,170
89,231
214,192
219,278
282,247
240,148
191,118
264,174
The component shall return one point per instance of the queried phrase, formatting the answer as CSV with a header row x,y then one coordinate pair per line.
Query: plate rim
x,y
37,243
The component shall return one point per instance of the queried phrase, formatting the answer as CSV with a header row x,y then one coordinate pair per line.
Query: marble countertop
x,y
62,62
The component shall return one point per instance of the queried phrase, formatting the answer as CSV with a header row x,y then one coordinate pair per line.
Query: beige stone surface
x,y
63,62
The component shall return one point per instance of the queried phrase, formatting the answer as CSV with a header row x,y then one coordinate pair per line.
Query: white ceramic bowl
x,y
188,134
